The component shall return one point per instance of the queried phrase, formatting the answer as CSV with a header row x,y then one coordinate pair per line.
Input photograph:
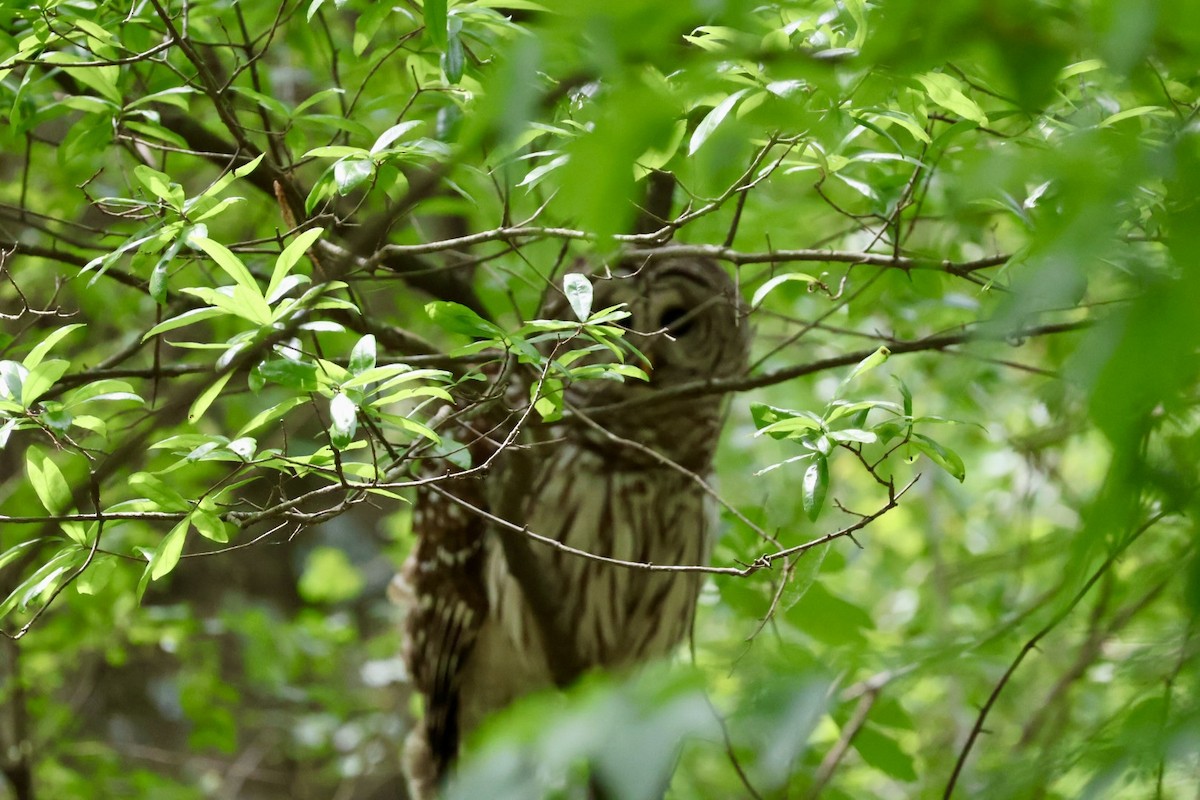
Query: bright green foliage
x,y
249,250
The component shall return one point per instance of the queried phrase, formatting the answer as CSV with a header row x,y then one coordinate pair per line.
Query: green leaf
x,y
299,376
384,400
460,319
579,294
45,579
227,261
777,281
182,320
764,415
206,398
1080,68
943,456
547,398
218,208
158,275
535,175
271,414
91,423
884,754
102,80
829,618
343,420
330,577
390,375
94,30
43,347
392,134
815,486
210,526
350,173
946,91
712,120
454,60
1131,113
158,491
155,131
290,255
362,357
335,151
170,549
867,364
853,435
626,371
17,551
905,121
160,185
315,98
41,378
435,22
906,394
47,481
91,105
7,429
237,301
222,183
55,416
840,408
97,576
785,427
174,96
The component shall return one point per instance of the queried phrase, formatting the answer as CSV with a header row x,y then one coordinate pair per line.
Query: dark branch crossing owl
x,y
494,615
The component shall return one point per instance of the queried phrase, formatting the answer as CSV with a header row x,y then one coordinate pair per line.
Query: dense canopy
x,y
247,248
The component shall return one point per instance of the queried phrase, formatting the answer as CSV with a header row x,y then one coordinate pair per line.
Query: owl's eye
x,y
676,319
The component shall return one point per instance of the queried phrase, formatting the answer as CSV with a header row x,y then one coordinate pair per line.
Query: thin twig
x,y
765,561
977,728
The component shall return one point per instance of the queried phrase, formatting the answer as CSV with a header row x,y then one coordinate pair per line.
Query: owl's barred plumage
x,y
495,615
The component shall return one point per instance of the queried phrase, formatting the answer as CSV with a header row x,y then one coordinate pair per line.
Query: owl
x,y
494,614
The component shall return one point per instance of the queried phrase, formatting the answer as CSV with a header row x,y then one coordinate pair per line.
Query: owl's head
x,y
684,317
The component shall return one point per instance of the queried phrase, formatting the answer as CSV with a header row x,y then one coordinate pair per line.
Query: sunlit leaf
x,y
290,255
946,91
227,261
47,481
351,173
394,133
170,550
770,285
343,420
578,290
271,414
41,378
869,363
362,357
206,398
182,320
43,347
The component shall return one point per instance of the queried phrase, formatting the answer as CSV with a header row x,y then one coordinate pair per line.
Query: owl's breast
x,y
614,615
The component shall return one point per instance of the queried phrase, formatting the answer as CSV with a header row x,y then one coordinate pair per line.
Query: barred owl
x,y
495,615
